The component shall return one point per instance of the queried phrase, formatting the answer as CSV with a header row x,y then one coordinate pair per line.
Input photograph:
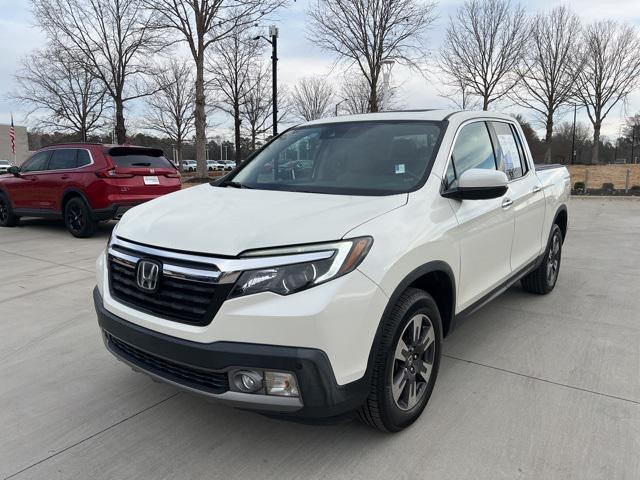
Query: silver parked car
x,y
4,166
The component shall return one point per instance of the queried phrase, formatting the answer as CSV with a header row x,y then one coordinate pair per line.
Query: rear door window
x,y
84,158
510,160
63,159
139,158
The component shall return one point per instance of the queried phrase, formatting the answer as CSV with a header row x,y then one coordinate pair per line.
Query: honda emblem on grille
x,y
148,275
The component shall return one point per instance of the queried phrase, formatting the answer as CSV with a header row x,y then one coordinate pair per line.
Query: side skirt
x,y
500,289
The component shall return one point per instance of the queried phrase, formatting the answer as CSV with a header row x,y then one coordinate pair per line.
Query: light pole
x,y
338,104
387,65
573,135
273,33
633,141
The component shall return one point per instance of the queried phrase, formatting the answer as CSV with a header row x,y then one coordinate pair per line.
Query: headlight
x,y
344,257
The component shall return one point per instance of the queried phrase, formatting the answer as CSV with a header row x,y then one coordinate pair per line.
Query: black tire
x,y
77,219
7,217
543,279
384,409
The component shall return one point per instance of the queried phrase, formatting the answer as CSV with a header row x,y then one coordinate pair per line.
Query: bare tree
x,y
368,33
549,67
233,67
256,111
311,98
200,24
170,111
69,97
110,38
484,45
458,93
610,72
356,95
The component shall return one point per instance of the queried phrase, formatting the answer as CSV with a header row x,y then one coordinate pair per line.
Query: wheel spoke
x,y
412,398
425,371
417,327
401,351
427,339
399,384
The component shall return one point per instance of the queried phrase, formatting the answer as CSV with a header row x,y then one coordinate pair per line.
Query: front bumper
x,y
321,396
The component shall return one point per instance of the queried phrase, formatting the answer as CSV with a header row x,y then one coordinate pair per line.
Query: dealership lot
x,y
530,387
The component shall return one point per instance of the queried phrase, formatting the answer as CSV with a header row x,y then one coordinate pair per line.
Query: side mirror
x,y
14,170
478,184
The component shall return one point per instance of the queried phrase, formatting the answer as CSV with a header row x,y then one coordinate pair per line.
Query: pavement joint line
x,y
559,315
39,290
46,261
91,436
586,390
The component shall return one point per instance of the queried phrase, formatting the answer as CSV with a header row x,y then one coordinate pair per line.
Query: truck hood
x,y
228,221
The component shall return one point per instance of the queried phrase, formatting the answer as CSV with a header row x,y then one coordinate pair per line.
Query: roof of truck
x,y
427,114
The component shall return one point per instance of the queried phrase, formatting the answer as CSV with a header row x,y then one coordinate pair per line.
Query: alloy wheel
x,y
413,362
4,210
553,260
75,218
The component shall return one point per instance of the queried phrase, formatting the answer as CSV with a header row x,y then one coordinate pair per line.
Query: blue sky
x,y
299,57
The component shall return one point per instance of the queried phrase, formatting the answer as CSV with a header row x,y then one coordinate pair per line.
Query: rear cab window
x,y
508,151
129,157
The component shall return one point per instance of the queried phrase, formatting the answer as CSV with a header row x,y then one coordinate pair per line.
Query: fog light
x,y
247,381
281,384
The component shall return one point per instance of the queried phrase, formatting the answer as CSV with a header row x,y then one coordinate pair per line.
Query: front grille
x,y
213,382
177,298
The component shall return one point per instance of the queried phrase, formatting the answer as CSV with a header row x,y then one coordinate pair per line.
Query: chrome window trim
x,y
227,268
51,150
69,169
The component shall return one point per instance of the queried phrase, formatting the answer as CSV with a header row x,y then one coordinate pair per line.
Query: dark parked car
x,y
85,183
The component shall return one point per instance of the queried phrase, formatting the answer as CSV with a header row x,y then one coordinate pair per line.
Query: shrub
x,y
578,187
608,189
635,190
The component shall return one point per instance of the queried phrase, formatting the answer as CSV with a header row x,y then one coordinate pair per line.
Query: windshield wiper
x,y
231,183
141,164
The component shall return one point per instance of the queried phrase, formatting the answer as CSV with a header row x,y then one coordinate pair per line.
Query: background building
x,y
22,145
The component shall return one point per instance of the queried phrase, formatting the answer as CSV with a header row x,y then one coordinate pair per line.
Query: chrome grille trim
x,y
225,265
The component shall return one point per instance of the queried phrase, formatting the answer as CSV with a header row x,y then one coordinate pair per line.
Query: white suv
x,y
321,276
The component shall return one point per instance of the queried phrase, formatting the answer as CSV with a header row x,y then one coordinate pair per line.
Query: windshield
x,y
351,158
4,162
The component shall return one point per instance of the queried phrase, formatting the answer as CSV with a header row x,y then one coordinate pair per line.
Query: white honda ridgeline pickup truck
x,y
321,275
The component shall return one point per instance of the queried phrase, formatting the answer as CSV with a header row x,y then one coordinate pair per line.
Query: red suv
x,y
84,184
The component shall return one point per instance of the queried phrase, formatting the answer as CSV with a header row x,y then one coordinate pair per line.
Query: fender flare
x,y
73,191
429,267
560,210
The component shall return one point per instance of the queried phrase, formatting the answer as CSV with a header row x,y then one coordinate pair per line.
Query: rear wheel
x,y
77,218
543,279
406,363
7,217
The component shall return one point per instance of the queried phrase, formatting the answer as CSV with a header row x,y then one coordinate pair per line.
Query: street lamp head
x,y
257,38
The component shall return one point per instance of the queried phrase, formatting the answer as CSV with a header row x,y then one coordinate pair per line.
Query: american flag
x,y
12,136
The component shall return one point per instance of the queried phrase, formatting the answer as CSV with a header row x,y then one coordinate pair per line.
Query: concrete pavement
x,y
530,387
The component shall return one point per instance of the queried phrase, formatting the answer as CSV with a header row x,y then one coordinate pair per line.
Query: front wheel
x,y
77,219
543,279
406,363
7,217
